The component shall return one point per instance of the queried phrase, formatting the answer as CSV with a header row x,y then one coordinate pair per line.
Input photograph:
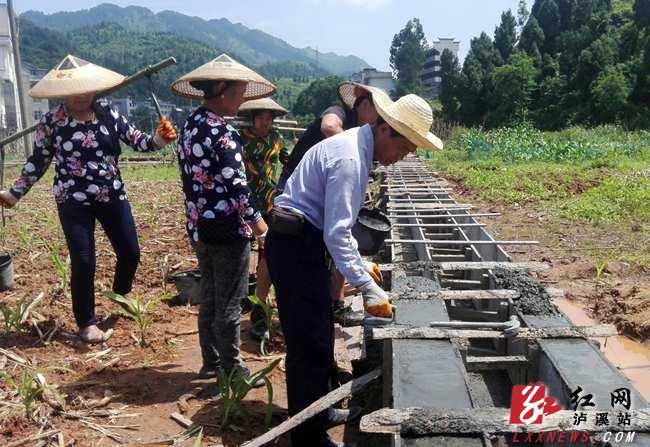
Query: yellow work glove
x,y
375,301
374,272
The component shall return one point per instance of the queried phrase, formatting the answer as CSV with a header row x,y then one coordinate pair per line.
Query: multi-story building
x,y
375,78
9,105
431,77
123,105
36,108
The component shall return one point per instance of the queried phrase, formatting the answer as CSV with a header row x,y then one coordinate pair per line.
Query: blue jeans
x,y
78,224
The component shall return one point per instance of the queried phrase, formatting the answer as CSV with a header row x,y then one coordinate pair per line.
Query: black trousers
x,y
299,271
78,224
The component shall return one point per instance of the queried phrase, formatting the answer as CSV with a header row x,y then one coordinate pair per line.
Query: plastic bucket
x,y
370,230
6,272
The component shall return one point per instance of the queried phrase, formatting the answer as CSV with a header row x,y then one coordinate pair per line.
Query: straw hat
x,y
75,76
412,118
349,92
262,104
223,68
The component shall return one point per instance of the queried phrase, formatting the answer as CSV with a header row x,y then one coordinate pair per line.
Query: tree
x,y
451,83
505,35
531,36
548,18
319,95
481,60
512,88
610,92
522,14
642,12
407,57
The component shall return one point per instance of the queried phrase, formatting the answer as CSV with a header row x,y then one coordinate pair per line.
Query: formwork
x,y
442,265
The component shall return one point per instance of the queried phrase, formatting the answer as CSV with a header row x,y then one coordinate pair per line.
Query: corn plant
x,y
61,266
234,387
14,318
32,387
600,269
137,310
270,312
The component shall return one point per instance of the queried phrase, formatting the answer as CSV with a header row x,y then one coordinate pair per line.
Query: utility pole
x,y
13,30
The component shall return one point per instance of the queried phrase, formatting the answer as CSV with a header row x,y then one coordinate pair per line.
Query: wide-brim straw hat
x,y
412,118
349,92
262,104
223,68
75,76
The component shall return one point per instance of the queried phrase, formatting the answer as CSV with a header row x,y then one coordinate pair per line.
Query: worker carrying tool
x,y
311,223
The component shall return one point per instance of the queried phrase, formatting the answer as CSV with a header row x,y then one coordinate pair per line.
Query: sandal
x,y
93,335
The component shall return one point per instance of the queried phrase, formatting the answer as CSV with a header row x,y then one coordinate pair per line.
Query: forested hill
x,y
126,52
254,47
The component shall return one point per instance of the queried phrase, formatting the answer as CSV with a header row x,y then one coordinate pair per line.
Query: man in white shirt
x,y
311,221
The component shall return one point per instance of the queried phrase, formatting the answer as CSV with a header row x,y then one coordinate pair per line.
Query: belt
x,y
284,221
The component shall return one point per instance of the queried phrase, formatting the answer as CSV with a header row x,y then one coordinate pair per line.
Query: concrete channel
x,y
445,247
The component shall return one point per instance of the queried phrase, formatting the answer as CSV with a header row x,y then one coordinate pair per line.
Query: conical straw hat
x,y
412,118
262,104
75,76
223,68
349,92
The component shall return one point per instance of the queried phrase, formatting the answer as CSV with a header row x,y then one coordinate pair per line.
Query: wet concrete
x,y
533,298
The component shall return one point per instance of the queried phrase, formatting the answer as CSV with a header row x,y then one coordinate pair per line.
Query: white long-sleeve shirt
x,y
328,188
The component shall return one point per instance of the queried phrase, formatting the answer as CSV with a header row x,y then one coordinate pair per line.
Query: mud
x,y
533,298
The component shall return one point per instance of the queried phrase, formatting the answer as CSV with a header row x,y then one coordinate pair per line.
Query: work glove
x,y
374,272
7,199
165,133
375,301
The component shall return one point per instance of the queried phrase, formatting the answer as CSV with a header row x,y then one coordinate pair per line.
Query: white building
x,y
431,74
371,76
36,108
123,105
9,105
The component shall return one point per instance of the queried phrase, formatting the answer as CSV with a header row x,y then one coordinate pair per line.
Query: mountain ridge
x,y
254,46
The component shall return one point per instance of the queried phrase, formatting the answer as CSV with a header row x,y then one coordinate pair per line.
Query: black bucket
x,y
188,285
6,272
370,230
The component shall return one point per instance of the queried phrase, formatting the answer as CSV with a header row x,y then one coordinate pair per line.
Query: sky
x,y
364,28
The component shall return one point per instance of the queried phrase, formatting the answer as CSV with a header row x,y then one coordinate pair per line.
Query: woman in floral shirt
x,y
221,212
82,137
264,154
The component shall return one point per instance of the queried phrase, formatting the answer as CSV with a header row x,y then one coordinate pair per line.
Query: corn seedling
x,y
269,313
61,266
234,387
14,318
137,310
27,389
600,269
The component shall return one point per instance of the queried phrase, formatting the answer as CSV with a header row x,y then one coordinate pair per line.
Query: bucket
x,y
6,272
370,230
188,285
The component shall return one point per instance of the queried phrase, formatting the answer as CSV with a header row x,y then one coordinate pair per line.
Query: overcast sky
x,y
364,28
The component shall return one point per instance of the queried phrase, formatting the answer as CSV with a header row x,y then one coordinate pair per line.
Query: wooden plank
x,y
554,292
429,333
355,342
494,294
416,422
457,242
315,408
341,357
495,362
523,266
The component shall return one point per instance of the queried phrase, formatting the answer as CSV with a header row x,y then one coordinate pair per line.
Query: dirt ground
x,y
145,384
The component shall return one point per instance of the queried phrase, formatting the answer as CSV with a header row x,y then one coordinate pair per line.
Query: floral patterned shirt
x,y
212,169
86,167
263,157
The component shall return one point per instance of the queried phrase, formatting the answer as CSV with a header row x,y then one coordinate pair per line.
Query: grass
x,y
598,177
